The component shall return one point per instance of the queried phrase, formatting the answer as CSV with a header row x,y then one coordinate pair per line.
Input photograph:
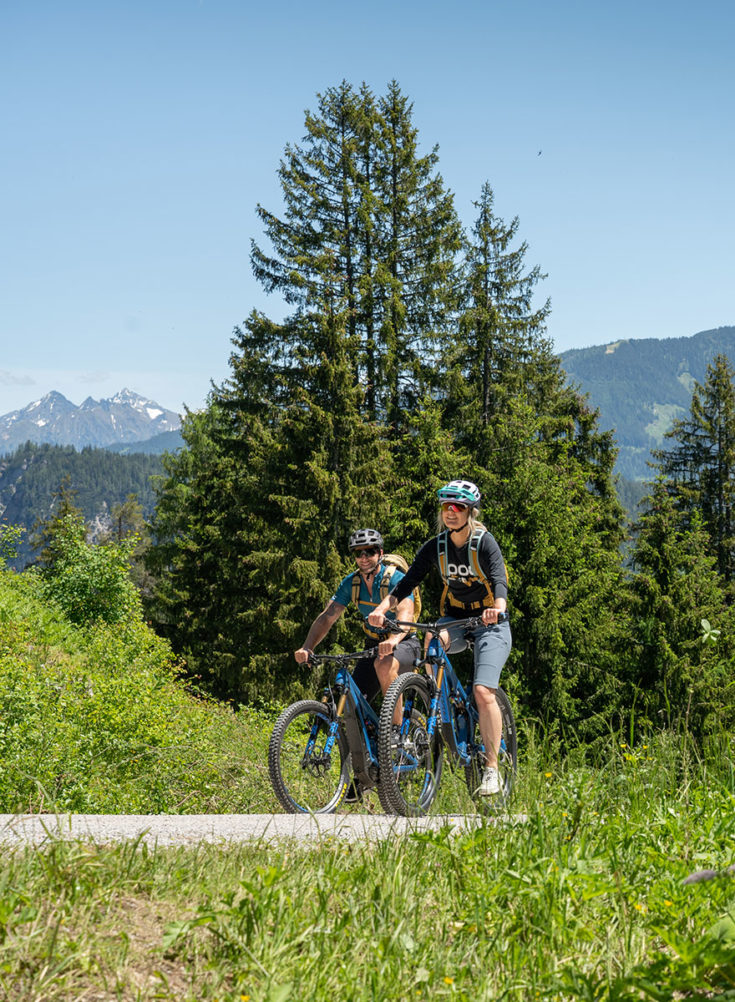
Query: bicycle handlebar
x,y
314,658
471,623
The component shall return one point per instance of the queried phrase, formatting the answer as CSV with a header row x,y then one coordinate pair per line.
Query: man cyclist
x,y
397,653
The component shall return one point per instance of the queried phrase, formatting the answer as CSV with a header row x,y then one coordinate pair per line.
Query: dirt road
x,y
189,829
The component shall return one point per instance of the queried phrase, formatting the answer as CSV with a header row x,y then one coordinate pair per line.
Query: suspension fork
x,y
333,727
434,705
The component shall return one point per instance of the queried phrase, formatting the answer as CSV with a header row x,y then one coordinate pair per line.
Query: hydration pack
x,y
390,562
488,599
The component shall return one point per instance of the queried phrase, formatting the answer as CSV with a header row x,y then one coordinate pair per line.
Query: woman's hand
x,y
490,616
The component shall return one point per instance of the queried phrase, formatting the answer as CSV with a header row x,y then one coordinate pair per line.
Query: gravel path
x,y
189,829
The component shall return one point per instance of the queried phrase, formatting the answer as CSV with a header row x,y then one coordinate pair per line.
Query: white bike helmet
x,y
361,538
461,491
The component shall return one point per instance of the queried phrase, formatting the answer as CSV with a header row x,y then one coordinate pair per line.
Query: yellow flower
x,y
623,745
548,775
668,903
448,981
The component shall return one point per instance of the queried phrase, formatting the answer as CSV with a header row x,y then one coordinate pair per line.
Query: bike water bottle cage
x,y
462,491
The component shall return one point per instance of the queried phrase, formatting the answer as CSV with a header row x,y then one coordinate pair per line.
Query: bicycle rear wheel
x,y
411,764
507,757
305,778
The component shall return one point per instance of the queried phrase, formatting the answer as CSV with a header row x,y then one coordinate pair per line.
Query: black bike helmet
x,y
361,538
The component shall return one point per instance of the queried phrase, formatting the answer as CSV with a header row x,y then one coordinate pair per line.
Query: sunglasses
x,y
453,506
370,552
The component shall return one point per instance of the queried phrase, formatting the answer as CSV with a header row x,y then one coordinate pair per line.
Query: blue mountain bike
x,y
319,748
437,713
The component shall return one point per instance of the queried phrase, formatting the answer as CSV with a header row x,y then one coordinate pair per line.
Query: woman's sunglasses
x,y
453,506
369,552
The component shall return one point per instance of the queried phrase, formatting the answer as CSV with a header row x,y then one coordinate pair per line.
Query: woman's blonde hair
x,y
473,521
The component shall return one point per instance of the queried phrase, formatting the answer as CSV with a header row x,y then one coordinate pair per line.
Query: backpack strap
x,y
474,547
356,587
388,570
475,540
441,555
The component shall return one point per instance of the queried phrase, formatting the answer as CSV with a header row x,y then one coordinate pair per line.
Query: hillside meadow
x,y
583,899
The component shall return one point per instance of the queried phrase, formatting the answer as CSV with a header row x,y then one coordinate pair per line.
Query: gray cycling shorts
x,y
492,647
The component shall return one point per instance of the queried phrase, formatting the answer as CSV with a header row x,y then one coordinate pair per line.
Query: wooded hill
x,y
32,475
641,386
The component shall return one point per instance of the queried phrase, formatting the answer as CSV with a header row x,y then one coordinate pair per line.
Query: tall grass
x,y
97,719
584,899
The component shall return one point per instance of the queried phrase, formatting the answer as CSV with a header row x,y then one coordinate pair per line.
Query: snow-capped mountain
x,y
126,417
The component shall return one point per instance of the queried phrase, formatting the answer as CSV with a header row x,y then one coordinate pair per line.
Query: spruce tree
x,y
677,670
364,207
545,471
700,465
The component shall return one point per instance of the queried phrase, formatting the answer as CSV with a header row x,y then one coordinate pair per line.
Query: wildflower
x,y
623,745
548,775
668,903
448,981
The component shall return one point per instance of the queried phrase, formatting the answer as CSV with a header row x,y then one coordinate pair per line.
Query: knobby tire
x,y
307,782
410,771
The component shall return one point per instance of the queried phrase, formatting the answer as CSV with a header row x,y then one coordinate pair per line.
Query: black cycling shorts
x,y
365,676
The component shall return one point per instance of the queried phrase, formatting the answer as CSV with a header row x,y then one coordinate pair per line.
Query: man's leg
x,y
389,668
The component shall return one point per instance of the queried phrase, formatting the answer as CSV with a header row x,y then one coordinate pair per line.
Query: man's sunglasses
x,y
369,552
453,506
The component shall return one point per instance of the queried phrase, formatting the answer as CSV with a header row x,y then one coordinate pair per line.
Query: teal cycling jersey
x,y
369,598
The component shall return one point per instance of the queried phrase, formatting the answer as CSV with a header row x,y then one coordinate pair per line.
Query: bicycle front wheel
x,y
507,756
410,762
306,778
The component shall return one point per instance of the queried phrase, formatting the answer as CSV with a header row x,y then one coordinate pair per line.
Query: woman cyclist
x,y
475,584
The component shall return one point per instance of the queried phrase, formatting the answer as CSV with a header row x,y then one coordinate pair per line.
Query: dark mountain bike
x,y
437,713
318,746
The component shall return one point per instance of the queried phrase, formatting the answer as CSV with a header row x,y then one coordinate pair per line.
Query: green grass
x,y
97,720
584,900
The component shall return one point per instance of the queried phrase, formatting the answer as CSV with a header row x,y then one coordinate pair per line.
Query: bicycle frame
x,y
355,714
458,711
452,699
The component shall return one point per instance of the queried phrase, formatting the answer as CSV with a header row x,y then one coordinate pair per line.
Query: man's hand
x,y
385,649
302,655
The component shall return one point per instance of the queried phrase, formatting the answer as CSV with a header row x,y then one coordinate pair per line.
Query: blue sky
x,y
137,138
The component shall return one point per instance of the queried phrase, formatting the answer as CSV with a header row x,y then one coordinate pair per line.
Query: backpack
x,y
391,561
447,596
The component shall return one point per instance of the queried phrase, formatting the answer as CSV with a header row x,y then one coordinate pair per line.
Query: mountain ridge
x,y
124,418
642,385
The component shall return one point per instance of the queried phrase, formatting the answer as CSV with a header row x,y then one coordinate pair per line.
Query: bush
x,y
91,583
96,719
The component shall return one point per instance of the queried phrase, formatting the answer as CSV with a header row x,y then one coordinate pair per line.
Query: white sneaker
x,y
490,785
